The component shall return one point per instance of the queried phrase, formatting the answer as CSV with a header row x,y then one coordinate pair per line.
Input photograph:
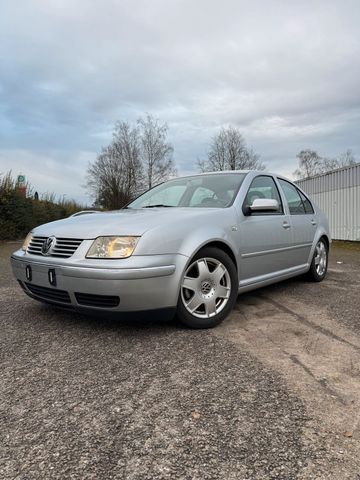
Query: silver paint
x,y
266,248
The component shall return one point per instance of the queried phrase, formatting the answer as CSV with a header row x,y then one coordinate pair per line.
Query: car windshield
x,y
206,191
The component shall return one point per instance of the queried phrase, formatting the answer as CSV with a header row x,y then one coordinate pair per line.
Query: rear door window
x,y
298,203
307,204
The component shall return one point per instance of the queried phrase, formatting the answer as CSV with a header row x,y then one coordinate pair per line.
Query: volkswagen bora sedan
x,y
189,245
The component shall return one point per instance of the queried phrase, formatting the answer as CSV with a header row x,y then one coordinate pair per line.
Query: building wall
x,y
337,193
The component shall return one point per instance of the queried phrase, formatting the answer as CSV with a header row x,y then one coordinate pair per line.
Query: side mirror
x,y
261,205
264,205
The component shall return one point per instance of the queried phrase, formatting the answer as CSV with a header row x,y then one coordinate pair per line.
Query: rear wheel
x,y
208,289
319,262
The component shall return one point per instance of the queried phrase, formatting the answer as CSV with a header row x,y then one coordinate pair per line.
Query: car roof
x,y
234,172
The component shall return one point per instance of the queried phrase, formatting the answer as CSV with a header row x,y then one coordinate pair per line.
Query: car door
x,y
303,222
265,237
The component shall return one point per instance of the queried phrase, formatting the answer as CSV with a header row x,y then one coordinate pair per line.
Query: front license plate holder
x,y
52,276
28,273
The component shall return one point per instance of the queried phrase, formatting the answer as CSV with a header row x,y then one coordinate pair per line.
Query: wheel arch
x,y
191,248
326,237
219,244
327,240
223,247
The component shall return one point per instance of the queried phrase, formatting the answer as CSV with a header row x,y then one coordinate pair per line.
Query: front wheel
x,y
319,264
208,289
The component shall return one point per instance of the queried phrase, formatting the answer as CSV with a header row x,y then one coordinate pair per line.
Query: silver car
x,y
190,245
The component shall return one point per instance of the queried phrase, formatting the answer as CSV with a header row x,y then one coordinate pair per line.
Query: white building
x,y
337,193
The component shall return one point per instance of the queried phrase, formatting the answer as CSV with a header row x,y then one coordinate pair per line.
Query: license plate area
x,y
52,277
28,273
44,275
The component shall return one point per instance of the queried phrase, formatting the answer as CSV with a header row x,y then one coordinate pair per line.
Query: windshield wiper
x,y
157,205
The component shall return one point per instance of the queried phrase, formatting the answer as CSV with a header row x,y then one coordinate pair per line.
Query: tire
x,y
319,264
208,289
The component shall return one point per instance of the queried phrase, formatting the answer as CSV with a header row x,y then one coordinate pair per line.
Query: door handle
x,y
286,225
313,222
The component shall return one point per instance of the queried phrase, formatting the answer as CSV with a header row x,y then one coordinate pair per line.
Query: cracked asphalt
x,y
272,393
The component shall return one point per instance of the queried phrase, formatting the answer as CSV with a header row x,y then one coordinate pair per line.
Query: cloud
x,y
53,172
286,73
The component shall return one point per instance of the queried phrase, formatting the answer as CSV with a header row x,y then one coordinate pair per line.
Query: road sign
x,y
21,178
21,182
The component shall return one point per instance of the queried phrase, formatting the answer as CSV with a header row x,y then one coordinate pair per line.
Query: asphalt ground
x,y
274,392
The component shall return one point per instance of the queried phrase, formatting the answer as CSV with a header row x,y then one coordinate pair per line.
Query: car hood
x,y
122,222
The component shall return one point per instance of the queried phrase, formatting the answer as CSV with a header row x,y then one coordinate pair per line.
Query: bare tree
x,y
347,158
343,160
228,151
155,151
116,176
126,148
311,163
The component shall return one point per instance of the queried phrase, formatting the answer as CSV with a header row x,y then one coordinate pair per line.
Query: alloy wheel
x,y
320,258
206,287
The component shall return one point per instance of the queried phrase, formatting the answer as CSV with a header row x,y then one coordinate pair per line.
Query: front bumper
x,y
142,283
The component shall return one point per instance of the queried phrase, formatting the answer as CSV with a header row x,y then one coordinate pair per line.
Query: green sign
x,y
21,178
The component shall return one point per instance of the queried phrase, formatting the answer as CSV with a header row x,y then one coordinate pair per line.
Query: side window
x,y
307,204
292,194
263,186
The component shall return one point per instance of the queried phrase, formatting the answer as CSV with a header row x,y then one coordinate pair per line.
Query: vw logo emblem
x,y
205,287
47,245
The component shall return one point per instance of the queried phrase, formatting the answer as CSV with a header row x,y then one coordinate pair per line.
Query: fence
x,y
337,193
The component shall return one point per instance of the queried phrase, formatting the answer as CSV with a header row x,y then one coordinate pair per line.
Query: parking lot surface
x,y
274,392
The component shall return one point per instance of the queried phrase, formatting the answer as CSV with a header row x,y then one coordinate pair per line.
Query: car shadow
x,y
151,321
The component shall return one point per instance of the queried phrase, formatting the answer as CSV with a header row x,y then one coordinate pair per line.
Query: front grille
x,y
63,248
52,294
103,301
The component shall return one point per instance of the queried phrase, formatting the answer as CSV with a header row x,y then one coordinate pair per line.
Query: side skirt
x,y
268,279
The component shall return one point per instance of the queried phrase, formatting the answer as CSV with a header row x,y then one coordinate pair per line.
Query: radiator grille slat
x,y
63,248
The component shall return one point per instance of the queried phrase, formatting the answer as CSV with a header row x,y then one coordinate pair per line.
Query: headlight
x,y
26,241
112,247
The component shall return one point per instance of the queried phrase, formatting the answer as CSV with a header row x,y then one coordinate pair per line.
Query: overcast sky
x,y
287,73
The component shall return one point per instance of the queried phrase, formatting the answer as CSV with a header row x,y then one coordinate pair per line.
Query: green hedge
x,y
19,213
